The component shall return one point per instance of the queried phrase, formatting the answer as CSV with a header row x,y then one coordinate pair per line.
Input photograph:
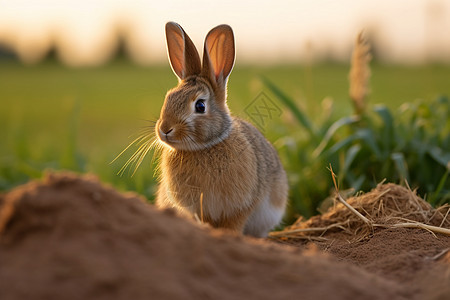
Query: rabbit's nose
x,y
165,128
163,132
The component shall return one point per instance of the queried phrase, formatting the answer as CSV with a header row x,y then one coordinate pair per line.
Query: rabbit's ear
x,y
183,56
219,53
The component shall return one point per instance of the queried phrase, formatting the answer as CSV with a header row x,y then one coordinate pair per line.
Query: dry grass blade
x,y
197,219
357,213
307,230
433,229
300,237
445,217
201,207
439,255
341,200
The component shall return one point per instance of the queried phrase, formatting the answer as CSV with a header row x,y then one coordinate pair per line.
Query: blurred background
x,y
79,79
89,33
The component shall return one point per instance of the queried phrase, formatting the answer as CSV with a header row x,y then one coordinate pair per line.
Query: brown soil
x,y
69,237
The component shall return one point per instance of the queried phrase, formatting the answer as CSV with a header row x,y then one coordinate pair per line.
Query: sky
x,y
84,32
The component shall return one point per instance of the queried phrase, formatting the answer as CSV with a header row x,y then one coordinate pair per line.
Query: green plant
x,y
411,144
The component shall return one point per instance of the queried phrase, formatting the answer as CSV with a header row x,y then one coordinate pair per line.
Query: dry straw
x,y
387,206
360,74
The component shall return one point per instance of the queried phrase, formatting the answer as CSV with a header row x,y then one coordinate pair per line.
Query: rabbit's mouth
x,y
180,139
179,144
172,140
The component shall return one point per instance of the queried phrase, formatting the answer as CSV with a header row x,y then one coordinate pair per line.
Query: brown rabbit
x,y
214,164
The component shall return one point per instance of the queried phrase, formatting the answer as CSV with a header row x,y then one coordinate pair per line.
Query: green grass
x,y
408,145
80,119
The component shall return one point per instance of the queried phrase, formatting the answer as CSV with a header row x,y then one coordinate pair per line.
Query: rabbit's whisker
x,y
142,154
133,159
145,142
135,141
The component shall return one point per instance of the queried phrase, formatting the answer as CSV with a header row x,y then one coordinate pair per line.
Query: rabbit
x,y
213,164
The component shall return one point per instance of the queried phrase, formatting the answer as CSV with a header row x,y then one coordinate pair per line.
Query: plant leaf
x,y
388,125
368,136
290,103
439,155
350,157
400,164
332,130
434,196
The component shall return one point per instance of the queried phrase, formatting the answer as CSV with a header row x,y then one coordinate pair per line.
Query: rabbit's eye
x,y
200,106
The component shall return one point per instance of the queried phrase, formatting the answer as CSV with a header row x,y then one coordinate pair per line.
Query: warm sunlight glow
x,y
88,32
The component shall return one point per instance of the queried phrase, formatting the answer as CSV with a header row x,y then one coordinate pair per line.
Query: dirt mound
x,y
416,258
72,238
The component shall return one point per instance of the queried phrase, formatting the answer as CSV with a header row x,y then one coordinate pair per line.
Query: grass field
x,y
80,119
